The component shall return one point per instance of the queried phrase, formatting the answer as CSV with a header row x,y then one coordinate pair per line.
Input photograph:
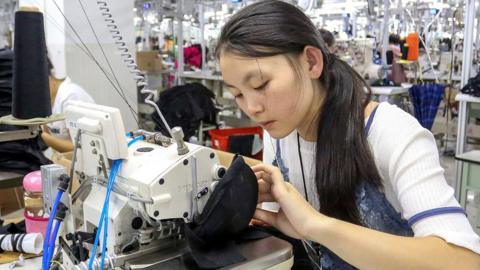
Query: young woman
x,y
359,179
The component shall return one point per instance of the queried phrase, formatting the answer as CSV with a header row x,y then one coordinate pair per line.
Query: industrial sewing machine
x,y
161,184
358,53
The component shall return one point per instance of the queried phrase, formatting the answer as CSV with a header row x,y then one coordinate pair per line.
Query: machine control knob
x,y
177,134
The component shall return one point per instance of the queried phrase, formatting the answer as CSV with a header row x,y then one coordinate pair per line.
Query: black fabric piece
x,y
13,228
226,214
185,106
6,92
31,94
5,73
7,85
253,233
209,256
5,55
241,144
23,156
472,87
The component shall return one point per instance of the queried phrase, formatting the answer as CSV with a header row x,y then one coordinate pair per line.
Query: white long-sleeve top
x,y
407,159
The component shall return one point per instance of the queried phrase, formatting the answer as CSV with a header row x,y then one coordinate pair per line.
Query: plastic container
x,y
220,137
35,220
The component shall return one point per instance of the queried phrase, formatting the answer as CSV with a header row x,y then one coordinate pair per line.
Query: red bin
x,y
220,137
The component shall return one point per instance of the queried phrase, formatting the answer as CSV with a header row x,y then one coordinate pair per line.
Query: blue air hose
x,y
104,215
105,230
49,230
136,139
51,246
113,174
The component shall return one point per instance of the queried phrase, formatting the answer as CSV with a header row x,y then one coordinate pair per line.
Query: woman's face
x,y
267,90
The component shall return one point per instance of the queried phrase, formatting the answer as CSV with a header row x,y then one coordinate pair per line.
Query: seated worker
x,y
329,39
56,134
358,182
394,46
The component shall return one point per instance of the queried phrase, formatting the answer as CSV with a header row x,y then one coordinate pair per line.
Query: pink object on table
x,y
35,220
32,182
35,224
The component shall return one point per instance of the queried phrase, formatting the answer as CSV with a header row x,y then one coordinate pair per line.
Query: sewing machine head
x,y
158,186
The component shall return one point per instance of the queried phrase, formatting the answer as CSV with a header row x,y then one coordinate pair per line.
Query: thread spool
x,y
413,42
31,93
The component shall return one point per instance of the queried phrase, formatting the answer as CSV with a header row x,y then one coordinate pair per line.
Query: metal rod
x,y
193,160
181,64
386,15
463,106
202,35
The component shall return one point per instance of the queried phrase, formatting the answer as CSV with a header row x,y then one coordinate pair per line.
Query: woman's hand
x,y
45,129
296,215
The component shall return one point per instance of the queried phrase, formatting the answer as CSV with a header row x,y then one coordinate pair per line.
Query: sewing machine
x,y
161,184
358,53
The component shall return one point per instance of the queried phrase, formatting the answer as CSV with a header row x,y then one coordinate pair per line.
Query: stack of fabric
x,y
6,69
472,87
22,156
186,106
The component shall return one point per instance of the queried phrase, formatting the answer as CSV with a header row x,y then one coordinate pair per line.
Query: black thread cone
x,y
31,94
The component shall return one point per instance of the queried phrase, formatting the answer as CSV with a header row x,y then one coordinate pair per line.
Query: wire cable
x,y
87,51
425,47
100,46
130,61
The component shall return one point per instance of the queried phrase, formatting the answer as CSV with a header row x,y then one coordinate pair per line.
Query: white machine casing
x,y
176,185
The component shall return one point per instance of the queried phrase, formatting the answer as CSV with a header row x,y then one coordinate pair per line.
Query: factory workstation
x,y
239,134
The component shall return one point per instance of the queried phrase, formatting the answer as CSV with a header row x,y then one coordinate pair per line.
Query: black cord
x,y
301,166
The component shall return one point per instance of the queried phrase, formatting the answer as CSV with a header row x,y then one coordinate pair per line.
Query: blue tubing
x,y
105,230
136,139
103,223
51,246
113,174
49,229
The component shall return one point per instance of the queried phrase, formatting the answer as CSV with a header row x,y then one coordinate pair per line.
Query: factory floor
x,y
473,200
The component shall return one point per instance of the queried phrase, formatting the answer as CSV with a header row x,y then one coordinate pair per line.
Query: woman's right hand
x,y
295,215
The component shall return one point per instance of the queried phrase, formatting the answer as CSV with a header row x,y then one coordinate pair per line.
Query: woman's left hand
x,y
296,215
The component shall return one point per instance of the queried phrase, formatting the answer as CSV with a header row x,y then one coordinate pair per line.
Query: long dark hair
x,y
343,158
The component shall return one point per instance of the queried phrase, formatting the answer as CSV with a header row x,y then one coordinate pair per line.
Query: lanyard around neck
x,y
301,167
